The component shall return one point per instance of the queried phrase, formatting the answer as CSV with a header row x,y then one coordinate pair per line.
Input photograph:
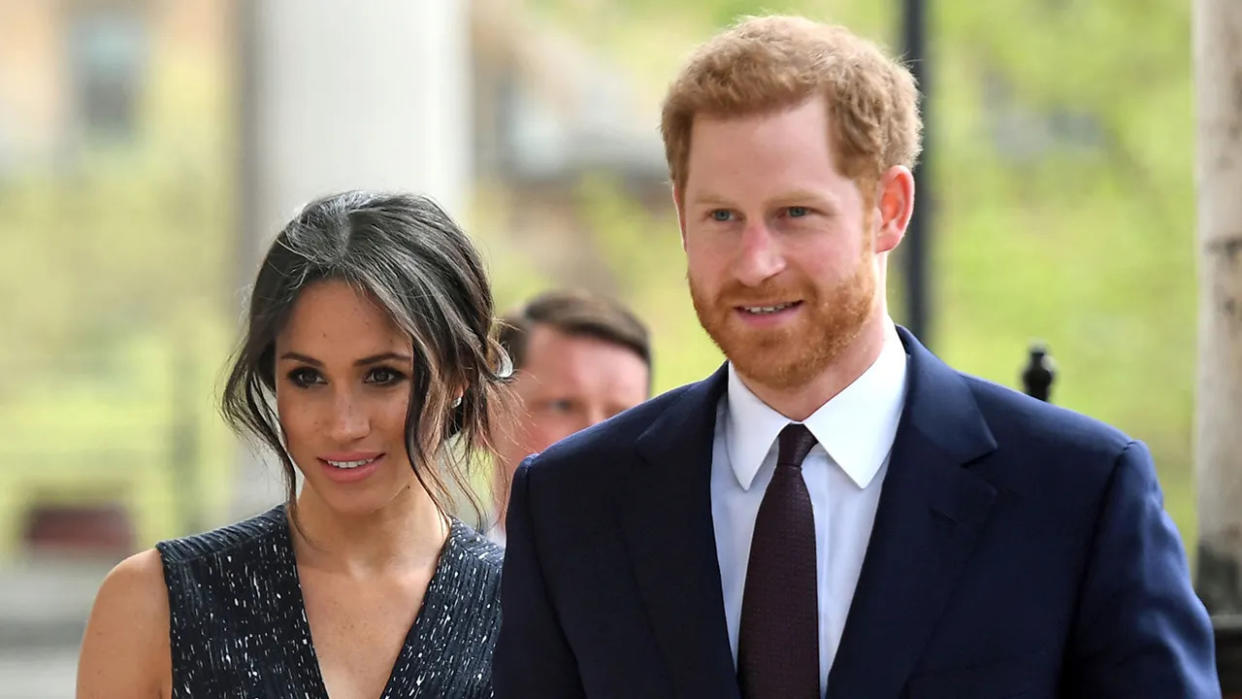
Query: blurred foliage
x,y
117,270
1060,172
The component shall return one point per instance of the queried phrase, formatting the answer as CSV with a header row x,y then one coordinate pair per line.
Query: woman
x,y
369,367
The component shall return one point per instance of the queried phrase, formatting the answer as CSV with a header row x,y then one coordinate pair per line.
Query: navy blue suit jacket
x,y
1019,549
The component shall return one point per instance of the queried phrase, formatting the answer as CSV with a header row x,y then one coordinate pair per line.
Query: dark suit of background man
x,y
834,510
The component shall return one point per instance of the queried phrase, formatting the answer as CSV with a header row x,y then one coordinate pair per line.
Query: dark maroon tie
x,y
778,639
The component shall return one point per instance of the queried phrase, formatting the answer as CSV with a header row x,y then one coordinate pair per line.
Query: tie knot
x,y
795,443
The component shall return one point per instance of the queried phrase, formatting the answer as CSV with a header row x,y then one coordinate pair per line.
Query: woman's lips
x,y
350,467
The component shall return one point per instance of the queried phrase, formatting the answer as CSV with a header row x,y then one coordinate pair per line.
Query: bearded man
x,y
834,512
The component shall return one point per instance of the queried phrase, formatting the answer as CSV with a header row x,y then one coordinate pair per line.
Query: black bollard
x,y
1039,373
1228,630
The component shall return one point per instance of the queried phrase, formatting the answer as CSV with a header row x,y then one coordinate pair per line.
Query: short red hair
x,y
770,63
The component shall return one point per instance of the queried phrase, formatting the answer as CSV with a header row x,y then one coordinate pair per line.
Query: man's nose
x,y
759,255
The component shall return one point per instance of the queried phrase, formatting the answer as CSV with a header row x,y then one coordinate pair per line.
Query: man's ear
x,y
678,203
894,204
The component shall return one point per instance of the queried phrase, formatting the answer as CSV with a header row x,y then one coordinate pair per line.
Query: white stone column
x,y
1218,448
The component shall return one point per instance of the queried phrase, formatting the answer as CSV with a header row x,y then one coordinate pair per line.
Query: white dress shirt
x,y
843,473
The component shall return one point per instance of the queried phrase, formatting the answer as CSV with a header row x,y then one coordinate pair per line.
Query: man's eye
x,y
798,211
721,215
384,376
304,377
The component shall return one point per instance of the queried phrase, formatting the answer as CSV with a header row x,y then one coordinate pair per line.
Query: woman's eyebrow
x,y
384,357
301,358
373,359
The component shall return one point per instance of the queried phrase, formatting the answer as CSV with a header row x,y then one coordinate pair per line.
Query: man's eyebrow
x,y
805,196
791,197
710,199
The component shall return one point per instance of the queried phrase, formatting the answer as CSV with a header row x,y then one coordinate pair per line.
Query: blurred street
x,y
39,673
43,609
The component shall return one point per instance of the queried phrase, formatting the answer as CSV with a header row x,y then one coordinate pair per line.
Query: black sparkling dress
x,y
238,624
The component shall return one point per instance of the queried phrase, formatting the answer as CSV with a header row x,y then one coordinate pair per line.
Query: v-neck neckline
x,y
411,635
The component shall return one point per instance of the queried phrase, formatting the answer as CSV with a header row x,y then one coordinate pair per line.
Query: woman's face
x,y
343,378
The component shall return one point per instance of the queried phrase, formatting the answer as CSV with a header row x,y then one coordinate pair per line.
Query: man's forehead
x,y
556,352
549,341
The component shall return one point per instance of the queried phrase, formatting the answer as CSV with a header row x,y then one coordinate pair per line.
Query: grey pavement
x,y
44,604
38,673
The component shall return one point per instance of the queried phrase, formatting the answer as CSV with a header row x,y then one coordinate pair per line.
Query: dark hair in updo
x,y
409,257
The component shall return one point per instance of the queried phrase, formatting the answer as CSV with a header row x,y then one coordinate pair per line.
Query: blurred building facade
x,y
552,111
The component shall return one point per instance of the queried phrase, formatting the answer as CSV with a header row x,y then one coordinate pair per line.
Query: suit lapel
x,y
930,514
667,522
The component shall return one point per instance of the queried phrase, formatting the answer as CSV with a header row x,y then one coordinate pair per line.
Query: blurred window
x,y
1023,132
107,60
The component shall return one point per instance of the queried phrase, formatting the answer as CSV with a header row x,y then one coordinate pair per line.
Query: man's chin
x,y
781,360
766,360
779,373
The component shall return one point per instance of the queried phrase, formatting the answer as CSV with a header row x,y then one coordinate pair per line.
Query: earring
x,y
506,365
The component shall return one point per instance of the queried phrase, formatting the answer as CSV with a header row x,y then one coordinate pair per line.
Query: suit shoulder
x,y
1018,420
1059,460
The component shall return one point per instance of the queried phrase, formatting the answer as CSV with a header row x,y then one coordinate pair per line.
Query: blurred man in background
x,y
579,358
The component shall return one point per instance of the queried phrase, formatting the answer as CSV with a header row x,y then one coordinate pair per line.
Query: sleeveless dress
x,y
238,627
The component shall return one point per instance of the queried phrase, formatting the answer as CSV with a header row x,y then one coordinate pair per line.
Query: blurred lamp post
x,y
917,245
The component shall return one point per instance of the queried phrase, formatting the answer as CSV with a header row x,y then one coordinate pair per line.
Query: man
x,y
834,512
579,358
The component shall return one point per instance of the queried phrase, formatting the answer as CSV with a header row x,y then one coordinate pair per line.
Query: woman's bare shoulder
x,y
125,651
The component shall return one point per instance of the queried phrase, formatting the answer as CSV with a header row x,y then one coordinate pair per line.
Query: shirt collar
x,y
856,427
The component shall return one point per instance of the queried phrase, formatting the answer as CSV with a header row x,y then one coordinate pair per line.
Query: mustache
x,y
735,294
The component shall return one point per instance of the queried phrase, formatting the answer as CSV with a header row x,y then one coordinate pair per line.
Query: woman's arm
x,y
125,651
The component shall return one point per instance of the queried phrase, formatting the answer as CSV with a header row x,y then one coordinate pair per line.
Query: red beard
x,y
791,355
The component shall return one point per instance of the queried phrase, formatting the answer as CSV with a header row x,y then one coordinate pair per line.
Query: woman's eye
x,y
721,215
384,376
560,406
305,377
